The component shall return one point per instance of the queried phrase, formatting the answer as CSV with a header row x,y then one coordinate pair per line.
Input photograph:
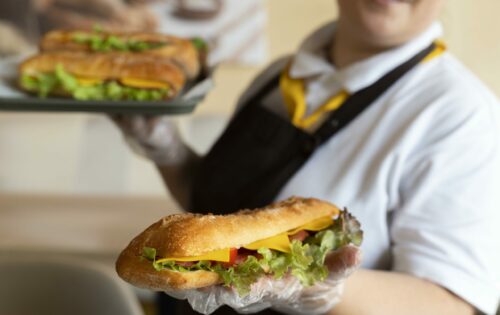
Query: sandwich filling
x,y
100,42
300,252
106,43
62,82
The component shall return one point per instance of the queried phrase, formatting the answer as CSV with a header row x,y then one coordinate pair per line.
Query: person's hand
x,y
13,40
142,1
111,15
42,5
285,295
156,137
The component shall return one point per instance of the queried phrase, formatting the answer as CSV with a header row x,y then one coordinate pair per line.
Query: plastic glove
x,y
42,5
111,15
13,41
286,295
155,137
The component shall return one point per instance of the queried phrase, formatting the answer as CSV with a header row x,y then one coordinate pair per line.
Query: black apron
x,y
260,151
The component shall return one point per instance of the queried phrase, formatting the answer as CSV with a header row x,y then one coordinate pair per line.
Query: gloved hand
x,y
286,295
142,1
13,40
155,137
111,15
41,5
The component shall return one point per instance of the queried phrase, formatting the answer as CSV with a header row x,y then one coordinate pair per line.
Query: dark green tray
x,y
33,104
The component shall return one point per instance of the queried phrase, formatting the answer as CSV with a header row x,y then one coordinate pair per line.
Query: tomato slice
x,y
244,253
300,235
233,253
185,263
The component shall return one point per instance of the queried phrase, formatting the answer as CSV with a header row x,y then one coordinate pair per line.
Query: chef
x,y
371,113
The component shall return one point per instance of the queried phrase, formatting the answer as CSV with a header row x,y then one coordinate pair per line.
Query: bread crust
x,y
140,273
180,51
184,235
107,66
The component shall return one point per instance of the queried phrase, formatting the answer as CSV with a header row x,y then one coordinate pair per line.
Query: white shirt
x,y
420,168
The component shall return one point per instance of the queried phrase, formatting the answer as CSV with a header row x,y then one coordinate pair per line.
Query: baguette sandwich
x,y
101,76
184,53
189,251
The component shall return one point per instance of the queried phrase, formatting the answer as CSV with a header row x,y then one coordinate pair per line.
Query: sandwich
x,y
96,65
190,251
185,53
101,76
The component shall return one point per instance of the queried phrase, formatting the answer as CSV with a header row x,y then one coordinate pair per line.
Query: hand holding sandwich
x,y
292,256
286,295
110,14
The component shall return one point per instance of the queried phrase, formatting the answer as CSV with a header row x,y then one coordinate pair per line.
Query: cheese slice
x,y
89,81
315,225
143,84
132,82
280,242
216,255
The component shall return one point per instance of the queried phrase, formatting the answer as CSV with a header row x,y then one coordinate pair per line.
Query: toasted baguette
x,y
184,235
106,66
177,50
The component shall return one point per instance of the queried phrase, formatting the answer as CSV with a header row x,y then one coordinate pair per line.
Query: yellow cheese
x,y
279,242
217,255
143,84
88,81
315,225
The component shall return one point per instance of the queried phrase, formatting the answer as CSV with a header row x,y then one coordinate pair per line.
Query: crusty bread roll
x,y
106,66
186,235
180,51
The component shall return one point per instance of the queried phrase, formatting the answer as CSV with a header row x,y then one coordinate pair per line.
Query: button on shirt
x,y
420,168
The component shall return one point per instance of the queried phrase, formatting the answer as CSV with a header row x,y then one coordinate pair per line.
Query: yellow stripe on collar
x,y
438,50
294,91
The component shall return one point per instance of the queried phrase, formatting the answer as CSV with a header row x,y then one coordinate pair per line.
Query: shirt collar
x,y
311,59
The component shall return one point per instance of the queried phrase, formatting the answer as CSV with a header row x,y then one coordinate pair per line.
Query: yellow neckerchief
x,y
293,92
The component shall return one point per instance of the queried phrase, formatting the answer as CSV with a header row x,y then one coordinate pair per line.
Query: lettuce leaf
x,y
45,83
305,261
242,275
149,253
104,43
200,44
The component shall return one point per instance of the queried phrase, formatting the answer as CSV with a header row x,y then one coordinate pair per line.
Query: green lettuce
x,y
200,44
99,41
60,80
305,260
102,43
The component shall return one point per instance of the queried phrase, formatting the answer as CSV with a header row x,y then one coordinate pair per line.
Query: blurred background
x,y
69,184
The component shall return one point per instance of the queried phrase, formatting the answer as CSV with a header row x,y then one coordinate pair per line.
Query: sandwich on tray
x,y
96,65
189,251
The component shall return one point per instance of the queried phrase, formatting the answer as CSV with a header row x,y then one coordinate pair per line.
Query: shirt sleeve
x,y
447,227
